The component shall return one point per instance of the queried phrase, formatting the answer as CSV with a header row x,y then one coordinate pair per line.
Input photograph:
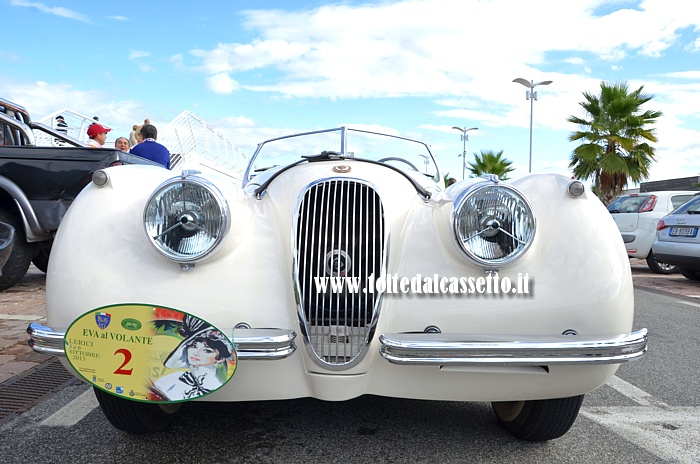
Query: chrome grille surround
x,y
339,232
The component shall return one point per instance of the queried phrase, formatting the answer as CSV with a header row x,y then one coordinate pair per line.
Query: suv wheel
x,y
22,253
659,267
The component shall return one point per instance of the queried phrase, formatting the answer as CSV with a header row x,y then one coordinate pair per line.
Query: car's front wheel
x,y
538,420
690,274
136,417
659,267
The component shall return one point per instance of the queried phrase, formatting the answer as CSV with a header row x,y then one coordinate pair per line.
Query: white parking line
x,y
670,433
73,412
689,303
637,395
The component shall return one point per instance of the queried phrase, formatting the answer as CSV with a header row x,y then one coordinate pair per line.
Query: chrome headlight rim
x,y
496,263
224,218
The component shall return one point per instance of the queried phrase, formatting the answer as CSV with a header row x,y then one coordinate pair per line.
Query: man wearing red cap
x,y
98,135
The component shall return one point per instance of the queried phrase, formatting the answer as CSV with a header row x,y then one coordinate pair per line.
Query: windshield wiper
x,y
266,168
324,156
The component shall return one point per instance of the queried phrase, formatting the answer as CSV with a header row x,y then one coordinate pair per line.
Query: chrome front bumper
x,y
258,344
428,348
460,350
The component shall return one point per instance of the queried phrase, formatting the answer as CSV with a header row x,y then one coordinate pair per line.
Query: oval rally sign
x,y
149,353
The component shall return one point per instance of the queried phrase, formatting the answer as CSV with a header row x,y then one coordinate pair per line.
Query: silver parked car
x,y
637,215
677,240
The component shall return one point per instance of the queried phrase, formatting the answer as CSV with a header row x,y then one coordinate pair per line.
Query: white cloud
x,y
118,18
222,83
177,59
695,75
693,46
137,54
56,10
9,56
41,98
237,122
433,47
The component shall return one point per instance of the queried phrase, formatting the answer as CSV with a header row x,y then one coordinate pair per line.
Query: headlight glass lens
x,y
186,219
493,224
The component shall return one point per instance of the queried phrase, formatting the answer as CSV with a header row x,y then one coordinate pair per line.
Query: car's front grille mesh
x,y
340,241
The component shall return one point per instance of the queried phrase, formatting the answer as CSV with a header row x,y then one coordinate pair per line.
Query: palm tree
x,y
448,180
614,141
489,162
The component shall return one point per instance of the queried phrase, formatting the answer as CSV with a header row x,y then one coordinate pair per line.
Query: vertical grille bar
x,y
340,240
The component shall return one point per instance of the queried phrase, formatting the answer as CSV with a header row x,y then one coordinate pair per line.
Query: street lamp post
x,y
465,137
426,161
532,96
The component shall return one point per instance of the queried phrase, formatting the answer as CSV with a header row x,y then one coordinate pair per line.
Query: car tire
x,y
134,416
21,256
538,420
659,267
41,261
690,274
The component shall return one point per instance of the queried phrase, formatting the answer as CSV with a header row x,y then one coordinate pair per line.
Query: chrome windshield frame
x,y
343,149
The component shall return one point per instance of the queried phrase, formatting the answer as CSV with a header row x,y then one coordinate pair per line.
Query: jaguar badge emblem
x,y
338,263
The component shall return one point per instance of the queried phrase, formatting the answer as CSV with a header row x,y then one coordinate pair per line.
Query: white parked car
x,y
637,215
340,267
677,239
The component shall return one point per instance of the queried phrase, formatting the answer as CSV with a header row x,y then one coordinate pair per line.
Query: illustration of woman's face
x,y
201,354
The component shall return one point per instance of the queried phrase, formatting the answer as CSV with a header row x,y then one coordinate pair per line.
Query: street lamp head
x,y
464,130
530,84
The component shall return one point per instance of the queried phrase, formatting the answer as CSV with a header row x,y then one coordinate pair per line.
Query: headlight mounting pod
x,y
493,224
186,218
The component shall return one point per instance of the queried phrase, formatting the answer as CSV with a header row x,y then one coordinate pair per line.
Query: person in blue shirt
x,y
149,148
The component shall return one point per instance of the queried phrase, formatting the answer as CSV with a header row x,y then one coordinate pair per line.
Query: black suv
x,y
38,184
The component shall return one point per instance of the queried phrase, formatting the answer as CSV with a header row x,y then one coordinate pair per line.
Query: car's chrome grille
x,y
340,238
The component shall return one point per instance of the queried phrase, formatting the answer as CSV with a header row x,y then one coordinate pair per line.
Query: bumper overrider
x,y
428,348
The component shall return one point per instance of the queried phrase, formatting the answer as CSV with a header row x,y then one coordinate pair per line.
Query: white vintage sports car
x,y
340,266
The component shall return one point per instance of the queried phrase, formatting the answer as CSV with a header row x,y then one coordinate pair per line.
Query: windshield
x,y
691,206
628,204
406,154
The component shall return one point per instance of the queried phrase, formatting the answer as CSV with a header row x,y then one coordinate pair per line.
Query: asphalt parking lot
x,y
674,284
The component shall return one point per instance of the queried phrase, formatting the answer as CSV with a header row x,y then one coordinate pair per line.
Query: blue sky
x,y
256,70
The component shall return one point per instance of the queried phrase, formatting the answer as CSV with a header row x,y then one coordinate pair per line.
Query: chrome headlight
x,y
493,224
186,218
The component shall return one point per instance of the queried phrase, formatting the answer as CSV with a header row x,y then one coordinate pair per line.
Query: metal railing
x,y
74,125
193,141
189,139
